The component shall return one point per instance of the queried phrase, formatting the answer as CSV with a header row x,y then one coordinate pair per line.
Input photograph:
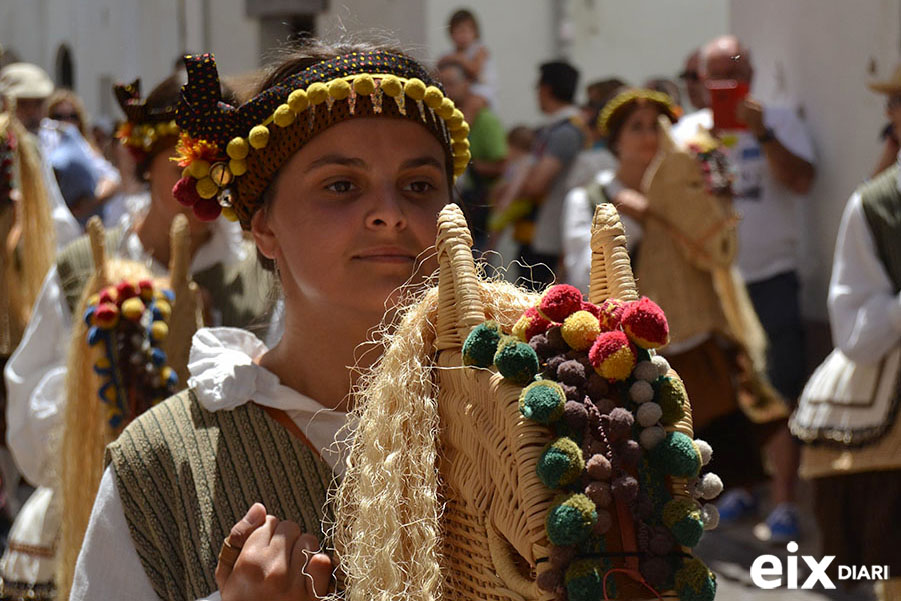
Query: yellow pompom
x,y
460,133
433,97
102,363
237,167
237,148
446,109
580,330
229,213
207,188
461,147
109,394
199,169
166,372
283,116
415,89
364,84
164,307
339,89
455,120
461,160
317,93
133,308
391,86
159,330
298,102
259,136
186,172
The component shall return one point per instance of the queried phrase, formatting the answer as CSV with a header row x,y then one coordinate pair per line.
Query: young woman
x,y
629,122
222,264
338,167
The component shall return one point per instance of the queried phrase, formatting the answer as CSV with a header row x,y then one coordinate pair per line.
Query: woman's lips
x,y
385,255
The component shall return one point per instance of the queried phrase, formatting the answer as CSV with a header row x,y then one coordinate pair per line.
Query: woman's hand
x,y
276,561
632,203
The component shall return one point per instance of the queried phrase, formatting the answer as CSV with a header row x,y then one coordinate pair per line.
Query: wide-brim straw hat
x,y
890,86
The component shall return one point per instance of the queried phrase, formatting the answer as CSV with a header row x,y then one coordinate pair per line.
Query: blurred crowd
x,y
708,181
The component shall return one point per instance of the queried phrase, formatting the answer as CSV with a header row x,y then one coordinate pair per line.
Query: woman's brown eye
x,y
340,186
420,187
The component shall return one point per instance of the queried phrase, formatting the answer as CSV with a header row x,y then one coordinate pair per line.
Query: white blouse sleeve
x,y
864,311
577,215
35,382
108,565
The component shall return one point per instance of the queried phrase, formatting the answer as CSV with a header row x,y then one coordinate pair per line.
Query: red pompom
x,y
530,324
108,295
146,289
125,290
559,302
645,323
612,355
591,308
610,314
185,192
207,209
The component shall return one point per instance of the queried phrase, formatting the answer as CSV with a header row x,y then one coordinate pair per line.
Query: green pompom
x,y
671,397
516,360
481,344
570,520
695,582
677,455
560,464
542,401
683,517
585,581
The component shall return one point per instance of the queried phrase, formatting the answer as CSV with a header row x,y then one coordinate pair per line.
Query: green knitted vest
x,y
882,207
186,476
239,291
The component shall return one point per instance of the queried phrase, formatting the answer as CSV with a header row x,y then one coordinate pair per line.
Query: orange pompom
x,y
559,302
644,322
613,355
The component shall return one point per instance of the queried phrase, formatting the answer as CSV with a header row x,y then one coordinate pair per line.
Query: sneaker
x,y
783,524
736,505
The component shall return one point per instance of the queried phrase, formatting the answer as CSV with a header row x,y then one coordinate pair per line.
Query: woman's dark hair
x,y
464,16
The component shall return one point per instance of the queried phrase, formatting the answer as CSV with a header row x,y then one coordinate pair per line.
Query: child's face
x,y
463,34
353,213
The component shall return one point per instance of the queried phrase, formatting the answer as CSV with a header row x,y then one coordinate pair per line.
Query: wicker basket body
x,y
495,541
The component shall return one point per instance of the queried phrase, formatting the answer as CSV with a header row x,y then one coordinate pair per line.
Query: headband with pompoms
x,y
145,128
230,155
627,97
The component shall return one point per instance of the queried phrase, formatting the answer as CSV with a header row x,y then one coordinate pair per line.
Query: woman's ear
x,y
263,235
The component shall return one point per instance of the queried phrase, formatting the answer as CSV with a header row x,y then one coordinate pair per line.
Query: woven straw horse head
x,y
87,427
495,542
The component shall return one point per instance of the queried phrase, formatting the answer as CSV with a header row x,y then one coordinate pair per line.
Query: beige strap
x,y
97,235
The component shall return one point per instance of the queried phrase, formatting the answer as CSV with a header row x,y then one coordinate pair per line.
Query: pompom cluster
x,y
128,323
591,376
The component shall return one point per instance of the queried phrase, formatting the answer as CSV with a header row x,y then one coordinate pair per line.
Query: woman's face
x,y
638,141
162,174
353,213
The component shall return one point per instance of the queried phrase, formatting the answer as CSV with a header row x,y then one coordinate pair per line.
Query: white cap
x,y
24,80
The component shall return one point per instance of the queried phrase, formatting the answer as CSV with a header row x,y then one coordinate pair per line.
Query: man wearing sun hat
x,y
891,88
28,86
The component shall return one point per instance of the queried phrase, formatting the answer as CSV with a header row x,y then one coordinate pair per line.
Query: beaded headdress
x,y
612,109
230,155
146,129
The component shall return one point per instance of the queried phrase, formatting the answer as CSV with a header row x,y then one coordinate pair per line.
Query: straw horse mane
x,y
495,544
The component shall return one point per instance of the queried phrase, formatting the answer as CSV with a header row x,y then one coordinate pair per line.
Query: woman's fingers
x,y
237,538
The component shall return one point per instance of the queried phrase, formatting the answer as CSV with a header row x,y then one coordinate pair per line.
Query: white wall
x,y
392,21
816,54
640,39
